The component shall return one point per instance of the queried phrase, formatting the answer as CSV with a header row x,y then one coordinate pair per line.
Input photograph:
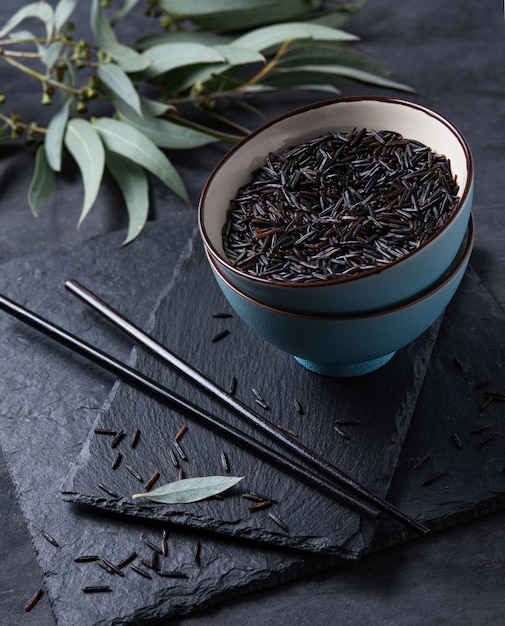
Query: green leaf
x,y
42,184
122,12
63,11
39,10
169,56
127,58
336,17
183,36
264,38
222,15
129,142
53,143
118,82
134,186
84,144
52,54
190,489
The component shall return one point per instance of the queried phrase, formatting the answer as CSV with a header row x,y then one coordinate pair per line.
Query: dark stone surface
x,y
454,55
185,324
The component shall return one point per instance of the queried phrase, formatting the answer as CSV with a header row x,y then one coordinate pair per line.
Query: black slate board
x,y
40,428
382,402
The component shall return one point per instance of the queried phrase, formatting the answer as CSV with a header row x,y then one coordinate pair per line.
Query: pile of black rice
x,y
337,205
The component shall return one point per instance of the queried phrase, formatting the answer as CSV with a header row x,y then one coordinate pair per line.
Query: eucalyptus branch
x,y
214,54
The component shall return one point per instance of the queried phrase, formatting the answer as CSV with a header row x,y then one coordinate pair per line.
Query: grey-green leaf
x,y
127,141
63,11
53,143
40,10
52,54
263,38
190,489
42,184
134,186
169,56
84,144
118,82
127,58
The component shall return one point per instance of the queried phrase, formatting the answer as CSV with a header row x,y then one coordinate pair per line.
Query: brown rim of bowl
x,y
342,279
464,252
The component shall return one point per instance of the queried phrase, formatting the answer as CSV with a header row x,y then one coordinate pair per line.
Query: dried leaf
x,y
42,184
190,489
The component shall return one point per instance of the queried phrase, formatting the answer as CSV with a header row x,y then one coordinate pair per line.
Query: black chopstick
x,y
174,401
206,384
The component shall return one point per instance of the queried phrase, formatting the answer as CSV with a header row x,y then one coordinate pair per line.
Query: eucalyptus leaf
x,y
118,82
84,144
42,184
182,36
227,15
53,142
169,56
134,186
121,13
52,54
127,58
155,108
264,38
63,11
39,10
337,17
357,75
190,490
123,139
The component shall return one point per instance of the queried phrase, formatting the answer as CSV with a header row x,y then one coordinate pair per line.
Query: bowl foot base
x,y
347,370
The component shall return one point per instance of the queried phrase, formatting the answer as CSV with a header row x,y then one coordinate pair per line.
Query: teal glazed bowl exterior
x,y
371,290
346,346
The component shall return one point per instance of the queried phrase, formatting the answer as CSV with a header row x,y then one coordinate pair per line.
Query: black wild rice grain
x,y
224,462
221,335
152,546
457,440
141,572
117,461
196,553
254,497
222,315
48,538
340,432
480,429
152,480
173,458
86,558
127,560
117,439
338,205
172,574
115,568
181,432
487,440
164,543
258,398
458,364
279,522
495,396
135,438
108,491
96,589
134,472
422,460
483,383
432,478
485,403
149,564
298,407
288,431
260,506
233,386
179,450
33,600
181,474
348,423
105,431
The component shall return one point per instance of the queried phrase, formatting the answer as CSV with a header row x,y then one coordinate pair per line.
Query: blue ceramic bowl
x,y
370,290
349,345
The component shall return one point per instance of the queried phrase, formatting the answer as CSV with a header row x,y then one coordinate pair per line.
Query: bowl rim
x,y
464,251
367,273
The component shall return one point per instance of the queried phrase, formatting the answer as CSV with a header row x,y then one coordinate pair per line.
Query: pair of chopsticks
x,y
320,473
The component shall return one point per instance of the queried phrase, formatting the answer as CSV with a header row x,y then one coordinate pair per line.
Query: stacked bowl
x,y
348,324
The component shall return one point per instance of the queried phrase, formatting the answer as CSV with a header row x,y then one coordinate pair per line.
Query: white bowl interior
x,y
408,119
